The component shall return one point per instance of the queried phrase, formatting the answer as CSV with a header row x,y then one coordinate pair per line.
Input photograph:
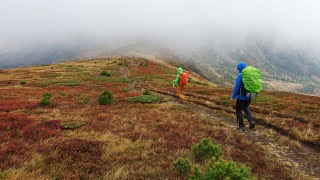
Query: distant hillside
x,y
283,69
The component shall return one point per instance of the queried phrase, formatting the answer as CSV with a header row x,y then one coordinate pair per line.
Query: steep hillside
x,y
142,133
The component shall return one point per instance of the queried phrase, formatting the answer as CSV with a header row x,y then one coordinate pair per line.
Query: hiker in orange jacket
x,y
180,81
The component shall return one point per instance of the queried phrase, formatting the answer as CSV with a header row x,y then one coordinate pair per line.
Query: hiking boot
x,y
252,125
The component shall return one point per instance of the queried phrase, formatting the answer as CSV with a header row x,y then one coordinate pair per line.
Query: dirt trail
x,y
304,158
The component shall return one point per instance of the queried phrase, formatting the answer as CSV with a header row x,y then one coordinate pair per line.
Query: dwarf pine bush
x,y
206,149
106,98
145,99
46,99
196,173
105,73
23,82
182,165
215,168
222,169
147,92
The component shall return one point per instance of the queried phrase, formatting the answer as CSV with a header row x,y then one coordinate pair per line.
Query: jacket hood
x,y
241,66
179,70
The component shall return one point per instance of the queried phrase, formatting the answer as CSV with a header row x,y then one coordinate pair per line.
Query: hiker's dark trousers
x,y
243,105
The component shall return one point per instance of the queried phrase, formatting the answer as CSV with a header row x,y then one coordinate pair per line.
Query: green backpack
x,y
251,79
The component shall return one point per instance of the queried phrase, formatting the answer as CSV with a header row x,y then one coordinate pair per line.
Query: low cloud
x,y
176,24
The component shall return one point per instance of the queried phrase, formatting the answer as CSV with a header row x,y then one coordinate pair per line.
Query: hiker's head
x,y
179,70
241,66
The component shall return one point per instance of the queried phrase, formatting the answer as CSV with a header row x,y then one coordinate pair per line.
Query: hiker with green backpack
x,y
248,85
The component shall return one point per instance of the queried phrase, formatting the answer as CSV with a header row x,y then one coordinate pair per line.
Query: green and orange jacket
x,y
177,80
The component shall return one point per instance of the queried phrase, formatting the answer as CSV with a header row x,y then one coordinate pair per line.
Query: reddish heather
x,y
9,104
20,135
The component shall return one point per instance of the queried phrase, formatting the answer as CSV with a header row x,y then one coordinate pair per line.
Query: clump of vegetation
x,y
83,99
147,92
183,165
215,168
105,79
23,82
206,149
264,99
106,98
222,169
196,173
43,84
145,99
72,125
46,99
224,100
125,90
105,73
86,100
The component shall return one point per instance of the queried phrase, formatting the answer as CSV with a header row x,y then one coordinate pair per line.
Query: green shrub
x,y
46,99
106,98
205,149
105,73
86,100
147,92
222,169
23,82
83,99
71,83
215,168
145,99
182,165
43,84
196,173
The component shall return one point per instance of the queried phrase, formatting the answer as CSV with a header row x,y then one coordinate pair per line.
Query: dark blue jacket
x,y
239,83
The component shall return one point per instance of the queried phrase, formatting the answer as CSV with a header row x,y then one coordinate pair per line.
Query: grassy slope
x,y
125,139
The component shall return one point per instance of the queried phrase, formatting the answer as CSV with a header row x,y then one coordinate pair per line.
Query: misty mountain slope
x,y
282,70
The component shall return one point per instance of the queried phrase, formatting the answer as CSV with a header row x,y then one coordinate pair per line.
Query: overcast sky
x,y
25,22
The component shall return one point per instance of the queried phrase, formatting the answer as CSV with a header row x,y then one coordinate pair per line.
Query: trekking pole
x,y
173,86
